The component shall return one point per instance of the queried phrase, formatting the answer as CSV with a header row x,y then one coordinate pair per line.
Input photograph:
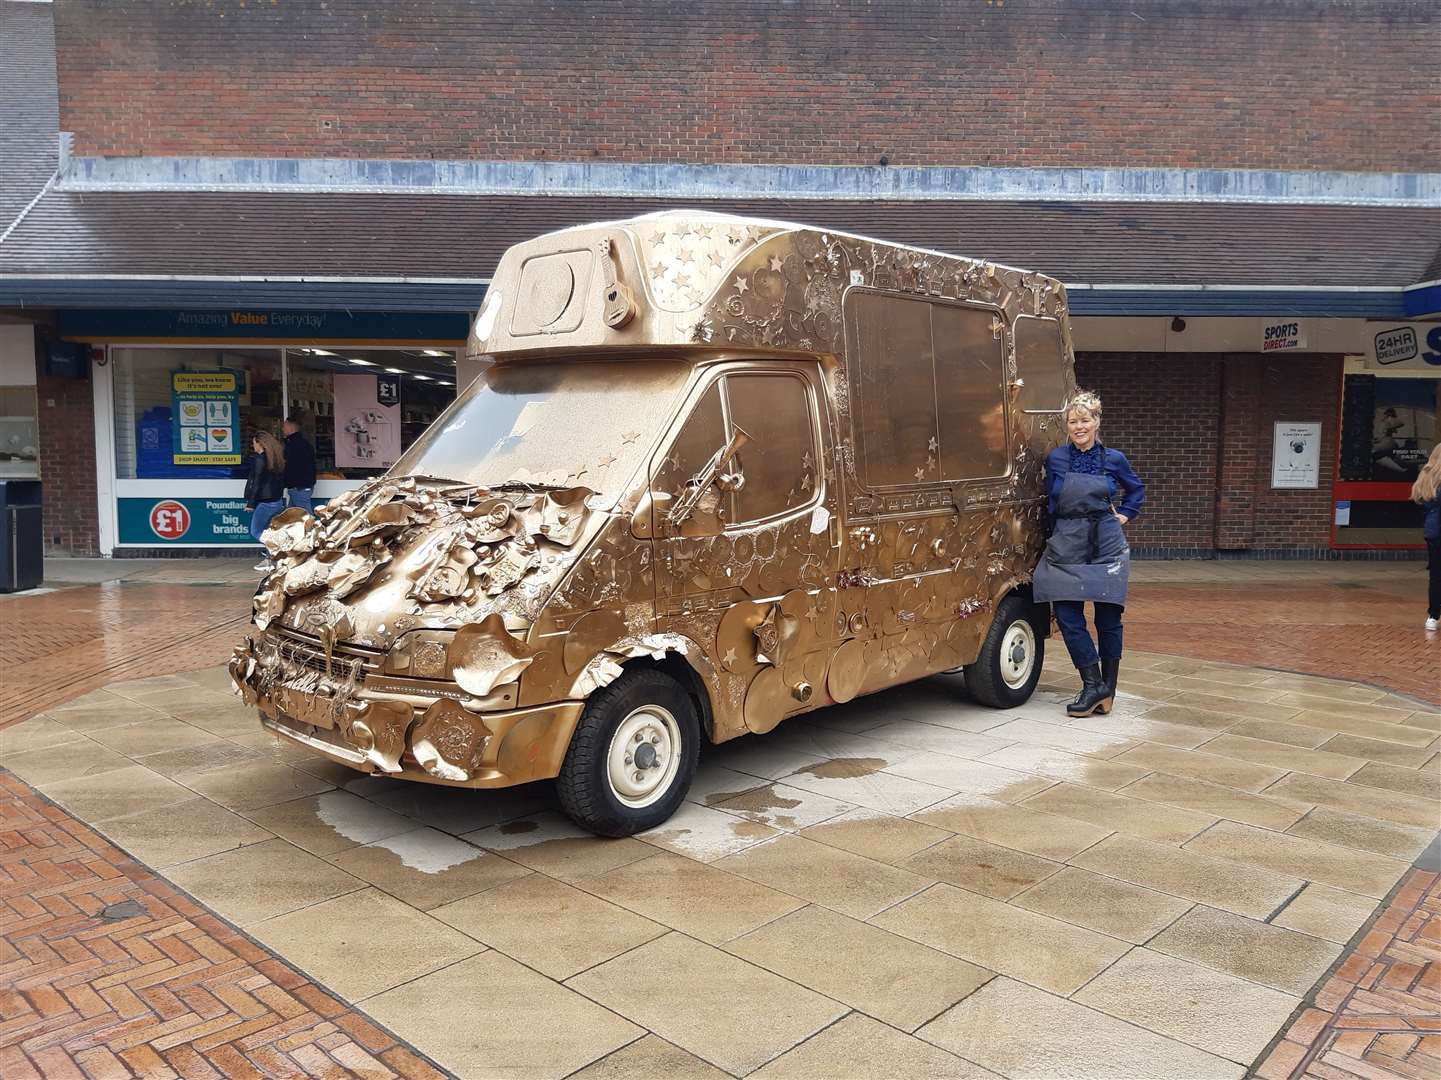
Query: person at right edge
x,y
1427,491
1087,557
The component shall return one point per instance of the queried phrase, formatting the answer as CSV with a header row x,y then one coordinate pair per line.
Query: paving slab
x,y
1259,952
1323,912
876,836
709,904
1118,812
1219,882
1022,1032
885,976
850,884
859,1048
1103,904
989,869
260,881
427,868
649,1058
722,1009
1345,868
548,925
364,943
1021,944
1208,1009
495,1033
1021,827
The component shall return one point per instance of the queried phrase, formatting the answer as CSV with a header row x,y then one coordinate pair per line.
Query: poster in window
x,y
1296,455
367,432
204,409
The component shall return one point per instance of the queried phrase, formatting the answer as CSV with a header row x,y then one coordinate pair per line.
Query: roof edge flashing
x,y
676,181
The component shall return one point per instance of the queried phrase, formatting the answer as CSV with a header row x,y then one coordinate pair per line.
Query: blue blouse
x,y
1124,481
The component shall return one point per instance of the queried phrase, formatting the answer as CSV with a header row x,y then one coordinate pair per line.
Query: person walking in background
x,y
265,487
1087,557
299,463
1427,491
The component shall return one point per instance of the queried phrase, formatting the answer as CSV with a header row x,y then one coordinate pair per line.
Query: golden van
x,y
715,472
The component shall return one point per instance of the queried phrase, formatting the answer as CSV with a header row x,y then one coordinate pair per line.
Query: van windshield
x,y
550,424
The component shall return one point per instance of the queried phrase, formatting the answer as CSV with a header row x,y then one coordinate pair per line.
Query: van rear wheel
x,y
632,757
1009,665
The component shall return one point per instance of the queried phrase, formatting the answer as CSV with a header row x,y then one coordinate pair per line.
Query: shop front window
x,y
19,423
1389,426
363,408
191,412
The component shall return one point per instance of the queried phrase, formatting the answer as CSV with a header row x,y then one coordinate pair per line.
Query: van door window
x,y
779,463
970,382
1040,363
703,433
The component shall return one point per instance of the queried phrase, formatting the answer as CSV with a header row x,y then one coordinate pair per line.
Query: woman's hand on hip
x,y
1122,518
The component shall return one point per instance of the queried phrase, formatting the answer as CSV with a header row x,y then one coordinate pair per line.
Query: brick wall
x,y
1197,428
67,465
1298,388
1293,84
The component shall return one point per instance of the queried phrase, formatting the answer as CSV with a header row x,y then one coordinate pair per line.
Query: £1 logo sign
x,y
169,520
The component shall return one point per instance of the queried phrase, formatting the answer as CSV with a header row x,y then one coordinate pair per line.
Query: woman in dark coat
x,y
1087,557
265,486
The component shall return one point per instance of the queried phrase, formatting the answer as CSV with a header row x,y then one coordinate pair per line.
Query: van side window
x,y
1040,363
779,463
928,391
895,393
703,433
970,385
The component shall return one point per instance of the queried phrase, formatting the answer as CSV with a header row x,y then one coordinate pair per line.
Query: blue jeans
x,y
299,497
260,520
1071,614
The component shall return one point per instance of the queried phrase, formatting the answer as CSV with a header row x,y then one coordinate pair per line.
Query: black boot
x,y
1109,670
1095,695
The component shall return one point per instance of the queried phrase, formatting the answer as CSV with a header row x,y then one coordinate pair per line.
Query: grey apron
x,y
1087,557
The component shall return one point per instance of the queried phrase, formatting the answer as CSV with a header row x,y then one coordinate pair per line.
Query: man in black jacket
x,y
299,463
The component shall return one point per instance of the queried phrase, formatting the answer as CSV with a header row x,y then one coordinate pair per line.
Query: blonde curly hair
x,y
1085,401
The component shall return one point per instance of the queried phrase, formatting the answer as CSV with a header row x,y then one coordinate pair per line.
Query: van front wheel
x,y
632,757
1009,666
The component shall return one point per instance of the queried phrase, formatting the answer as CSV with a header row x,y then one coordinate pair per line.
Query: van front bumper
x,y
400,727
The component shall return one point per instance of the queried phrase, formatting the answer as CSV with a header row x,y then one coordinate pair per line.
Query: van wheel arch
x,y
680,669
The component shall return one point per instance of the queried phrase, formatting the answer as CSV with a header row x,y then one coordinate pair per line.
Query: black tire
x,y
993,679
645,701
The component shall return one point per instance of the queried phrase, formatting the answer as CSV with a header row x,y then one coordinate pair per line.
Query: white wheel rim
x,y
644,756
1018,654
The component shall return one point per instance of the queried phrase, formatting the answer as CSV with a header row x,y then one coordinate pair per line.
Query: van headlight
x,y
420,654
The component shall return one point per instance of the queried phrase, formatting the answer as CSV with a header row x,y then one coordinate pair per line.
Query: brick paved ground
x,y
1344,626
164,989
1379,1014
61,644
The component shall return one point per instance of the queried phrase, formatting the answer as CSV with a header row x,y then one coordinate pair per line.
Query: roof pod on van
x,y
692,279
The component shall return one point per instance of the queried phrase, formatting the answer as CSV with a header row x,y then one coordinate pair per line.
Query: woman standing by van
x,y
265,486
1427,491
1087,557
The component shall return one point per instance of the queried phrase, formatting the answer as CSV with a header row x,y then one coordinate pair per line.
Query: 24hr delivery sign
x,y
205,417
